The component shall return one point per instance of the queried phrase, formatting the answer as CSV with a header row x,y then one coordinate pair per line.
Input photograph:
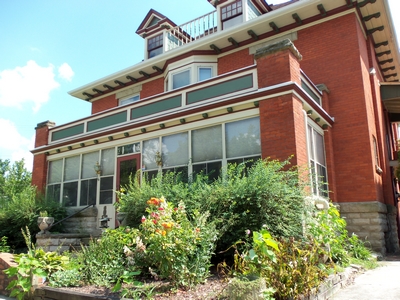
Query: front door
x,y
127,166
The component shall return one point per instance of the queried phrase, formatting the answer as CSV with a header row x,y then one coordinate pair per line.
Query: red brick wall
x,y
6,261
39,171
283,131
152,88
338,58
278,67
234,61
104,104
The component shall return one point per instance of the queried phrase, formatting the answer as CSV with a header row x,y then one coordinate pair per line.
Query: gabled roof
x,y
153,21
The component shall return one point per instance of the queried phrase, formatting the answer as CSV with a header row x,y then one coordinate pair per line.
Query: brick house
x,y
315,79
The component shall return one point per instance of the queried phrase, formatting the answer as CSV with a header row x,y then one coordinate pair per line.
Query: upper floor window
x,y
188,75
129,100
232,14
180,79
155,45
204,73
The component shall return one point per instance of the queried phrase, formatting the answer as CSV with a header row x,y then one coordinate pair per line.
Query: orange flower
x,y
164,233
167,225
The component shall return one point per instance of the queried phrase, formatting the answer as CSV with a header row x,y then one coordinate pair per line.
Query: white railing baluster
x,y
192,30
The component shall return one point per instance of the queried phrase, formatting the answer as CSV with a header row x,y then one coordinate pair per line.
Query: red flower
x,y
143,219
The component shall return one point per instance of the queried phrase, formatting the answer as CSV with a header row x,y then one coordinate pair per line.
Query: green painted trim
x,y
390,92
156,107
220,89
310,92
107,121
67,132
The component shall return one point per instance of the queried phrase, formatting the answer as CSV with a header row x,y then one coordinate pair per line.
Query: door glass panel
x,y
127,168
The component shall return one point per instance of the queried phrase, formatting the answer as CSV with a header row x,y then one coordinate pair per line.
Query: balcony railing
x,y
191,31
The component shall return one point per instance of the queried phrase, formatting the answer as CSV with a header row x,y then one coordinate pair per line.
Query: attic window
x,y
232,14
155,45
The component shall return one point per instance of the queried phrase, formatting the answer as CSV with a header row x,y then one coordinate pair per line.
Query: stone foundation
x,y
373,222
61,242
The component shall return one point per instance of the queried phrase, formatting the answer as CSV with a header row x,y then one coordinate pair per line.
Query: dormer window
x,y
155,45
232,14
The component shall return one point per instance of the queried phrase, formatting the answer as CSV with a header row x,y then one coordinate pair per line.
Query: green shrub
x,y
244,197
104,261
264,194
36,262
329,229
3,245
177,248
298,269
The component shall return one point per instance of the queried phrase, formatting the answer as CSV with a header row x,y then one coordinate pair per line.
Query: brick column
x,y
39,172
282,119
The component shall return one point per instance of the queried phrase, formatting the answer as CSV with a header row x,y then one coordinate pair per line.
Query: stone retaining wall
x,y
83,222
61,242
374,222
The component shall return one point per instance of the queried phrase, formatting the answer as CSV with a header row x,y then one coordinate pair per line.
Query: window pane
x,y
212,170
319,148
88,192
175,149
207,144
232,22
71,169
129,100
155,52
70,192
53,192
243,138
310,142
205,73
107,161
106,190
150,149
180,79
89,160
55,171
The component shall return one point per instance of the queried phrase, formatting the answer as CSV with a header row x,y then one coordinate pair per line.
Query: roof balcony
x,y
191,31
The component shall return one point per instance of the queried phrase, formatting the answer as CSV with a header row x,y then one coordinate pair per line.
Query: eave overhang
x,y
374,17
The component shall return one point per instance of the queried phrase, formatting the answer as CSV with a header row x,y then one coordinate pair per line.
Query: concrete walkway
x,y
381,283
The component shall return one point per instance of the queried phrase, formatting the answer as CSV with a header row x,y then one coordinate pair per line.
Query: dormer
x,y
153,29
234,12
162,35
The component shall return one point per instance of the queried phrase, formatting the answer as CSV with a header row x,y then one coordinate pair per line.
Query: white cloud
x,y
28,84
65,72
13,145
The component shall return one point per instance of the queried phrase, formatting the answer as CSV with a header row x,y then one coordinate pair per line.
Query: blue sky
x,y
50,47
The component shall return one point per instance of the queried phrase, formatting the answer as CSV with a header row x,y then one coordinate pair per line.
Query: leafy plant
x,y
177,248
69,277
3,245
36,262
298,269
105,260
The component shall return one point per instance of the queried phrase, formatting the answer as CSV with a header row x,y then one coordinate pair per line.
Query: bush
x,y
265,193
177,248
329,229
104,261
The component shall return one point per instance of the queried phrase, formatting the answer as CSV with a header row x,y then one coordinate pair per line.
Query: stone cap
x,y
47,123
277,47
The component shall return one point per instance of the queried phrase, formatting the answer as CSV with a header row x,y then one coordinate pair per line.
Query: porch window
x,y
175,150
88,179
232,14
155,45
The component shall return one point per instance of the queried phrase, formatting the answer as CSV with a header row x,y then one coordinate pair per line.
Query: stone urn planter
x,y
121,217
44,223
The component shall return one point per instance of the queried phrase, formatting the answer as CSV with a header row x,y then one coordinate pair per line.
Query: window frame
x,y
225,20
134,98
158,42
194,74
